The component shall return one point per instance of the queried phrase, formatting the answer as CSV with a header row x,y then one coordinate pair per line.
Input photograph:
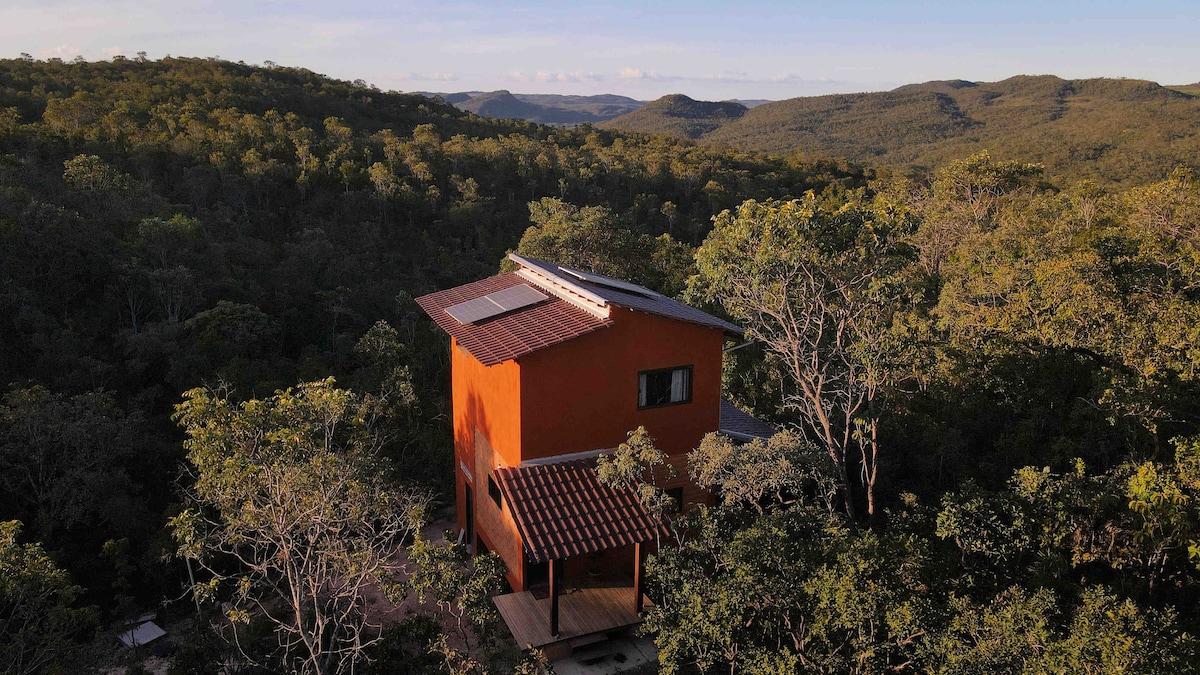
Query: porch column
x,y
555,583
639,560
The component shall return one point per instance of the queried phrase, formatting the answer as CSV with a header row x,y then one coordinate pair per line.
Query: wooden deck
x,y
582,611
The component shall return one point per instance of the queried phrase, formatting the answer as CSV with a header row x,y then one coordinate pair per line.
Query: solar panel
x,y
516,297
617,284
494,304
473,310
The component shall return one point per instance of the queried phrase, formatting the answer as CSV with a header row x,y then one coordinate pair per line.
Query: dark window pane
x,y
494,491
664,387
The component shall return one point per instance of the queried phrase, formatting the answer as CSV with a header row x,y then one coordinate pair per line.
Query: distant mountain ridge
x,y
1115,130
542,108
679,115
560,109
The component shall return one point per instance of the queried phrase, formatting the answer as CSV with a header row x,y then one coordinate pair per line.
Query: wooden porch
x,y
584,612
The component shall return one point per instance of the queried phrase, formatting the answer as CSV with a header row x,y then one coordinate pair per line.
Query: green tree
x,y
1031,632
966,197
63,460
37,620
291,493
638,465
1111,282
790,591
782,468
821,287
591,238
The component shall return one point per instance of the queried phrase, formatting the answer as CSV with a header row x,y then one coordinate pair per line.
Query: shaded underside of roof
x,y
742,425
513,334
653,303
563,510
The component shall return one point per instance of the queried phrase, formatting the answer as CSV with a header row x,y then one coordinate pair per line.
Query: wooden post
x,y
639,559
555,582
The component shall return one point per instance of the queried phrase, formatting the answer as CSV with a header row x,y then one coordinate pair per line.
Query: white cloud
x,y
428,77
573,76
639,74
61,52
727,77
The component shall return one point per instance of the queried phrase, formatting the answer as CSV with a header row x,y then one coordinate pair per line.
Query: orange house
x,y
550,367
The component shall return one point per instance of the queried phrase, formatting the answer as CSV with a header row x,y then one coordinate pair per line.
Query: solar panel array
x,y
601,280
494,304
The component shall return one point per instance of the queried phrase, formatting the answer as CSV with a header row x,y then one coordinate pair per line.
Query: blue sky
x,y
708,50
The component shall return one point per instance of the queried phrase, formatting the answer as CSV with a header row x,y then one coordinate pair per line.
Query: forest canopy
x,y
1008,478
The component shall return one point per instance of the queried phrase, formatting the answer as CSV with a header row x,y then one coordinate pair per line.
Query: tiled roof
x,y
654,304
510,335
563,510
742,425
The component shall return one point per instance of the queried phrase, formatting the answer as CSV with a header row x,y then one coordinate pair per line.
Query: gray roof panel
x,y
643,300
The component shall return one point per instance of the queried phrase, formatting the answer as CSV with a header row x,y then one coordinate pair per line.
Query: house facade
x,y
550,367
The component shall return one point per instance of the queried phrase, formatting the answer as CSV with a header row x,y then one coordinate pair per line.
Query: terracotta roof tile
x,y
563,510
515,333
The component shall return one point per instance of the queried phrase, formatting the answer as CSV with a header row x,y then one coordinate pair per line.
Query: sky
x,y
642,49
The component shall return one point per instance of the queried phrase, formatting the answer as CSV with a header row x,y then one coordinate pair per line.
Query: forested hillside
x,y
1116,131
679,115
170,224
987,375
544,108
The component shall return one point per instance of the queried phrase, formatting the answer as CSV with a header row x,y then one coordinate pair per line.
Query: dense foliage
x,y
988,376
167,225
292,498
1034,443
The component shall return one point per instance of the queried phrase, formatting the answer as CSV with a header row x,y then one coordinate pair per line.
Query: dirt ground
x,y
379,609
108,657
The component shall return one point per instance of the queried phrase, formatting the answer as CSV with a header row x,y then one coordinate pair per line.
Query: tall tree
x,y
63,461
291,495
37,619
820,286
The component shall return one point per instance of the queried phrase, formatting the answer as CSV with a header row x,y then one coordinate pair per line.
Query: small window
x,y
676,495
670,386
494,492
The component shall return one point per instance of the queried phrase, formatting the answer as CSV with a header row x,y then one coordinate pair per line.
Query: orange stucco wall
x,y
494,523
487,398
582,394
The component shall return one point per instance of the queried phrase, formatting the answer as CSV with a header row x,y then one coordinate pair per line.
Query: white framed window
x,y
669,386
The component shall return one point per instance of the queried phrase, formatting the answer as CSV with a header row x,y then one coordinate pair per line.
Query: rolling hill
x,y
1114,130
678,115
542,108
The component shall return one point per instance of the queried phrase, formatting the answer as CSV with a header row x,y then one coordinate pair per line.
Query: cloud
x,y
639,74
428,77
727,77
573,76
556,77
61,52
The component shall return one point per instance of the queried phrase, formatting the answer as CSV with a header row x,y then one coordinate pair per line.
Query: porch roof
x,y
563,510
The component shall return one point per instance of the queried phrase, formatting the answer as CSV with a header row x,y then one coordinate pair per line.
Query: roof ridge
x,y
649,302
562,288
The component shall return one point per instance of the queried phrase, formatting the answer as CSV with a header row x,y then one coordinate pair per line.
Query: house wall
x,y
582,394
487,434
487,398
577,396
495,524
